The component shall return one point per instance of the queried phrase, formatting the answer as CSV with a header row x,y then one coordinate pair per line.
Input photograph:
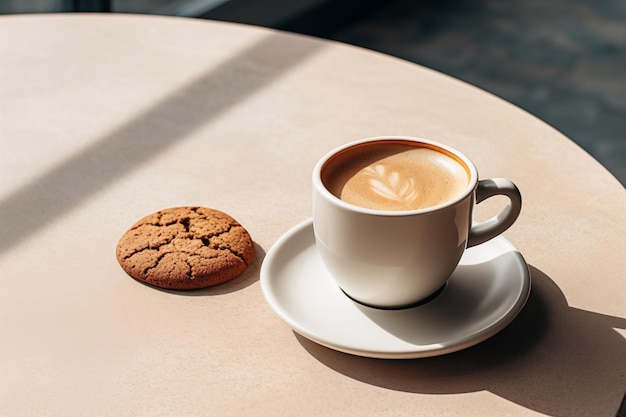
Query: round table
x,y
107,118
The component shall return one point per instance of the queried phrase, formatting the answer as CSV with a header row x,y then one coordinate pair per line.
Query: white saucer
x,y
485,293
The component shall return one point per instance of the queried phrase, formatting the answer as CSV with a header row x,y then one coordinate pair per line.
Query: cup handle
x,y
482,232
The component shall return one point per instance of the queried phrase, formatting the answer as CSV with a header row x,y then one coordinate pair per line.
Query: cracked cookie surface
x,y
185,248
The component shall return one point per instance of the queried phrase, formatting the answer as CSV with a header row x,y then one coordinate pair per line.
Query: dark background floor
x,y
562,60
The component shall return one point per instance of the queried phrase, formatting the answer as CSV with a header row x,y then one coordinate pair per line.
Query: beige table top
x,y
104,119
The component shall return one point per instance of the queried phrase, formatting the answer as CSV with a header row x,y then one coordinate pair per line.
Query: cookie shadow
x,y
553,358
249,277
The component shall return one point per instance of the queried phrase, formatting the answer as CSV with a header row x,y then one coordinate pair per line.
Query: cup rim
x,y
321,188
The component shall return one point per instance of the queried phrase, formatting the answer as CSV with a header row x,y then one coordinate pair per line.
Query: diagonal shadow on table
x,y
125,149
554,359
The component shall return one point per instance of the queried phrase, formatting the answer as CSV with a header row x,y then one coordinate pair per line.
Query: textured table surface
x,y
104,119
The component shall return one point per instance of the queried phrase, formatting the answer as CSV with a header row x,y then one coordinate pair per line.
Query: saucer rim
x,y
417,351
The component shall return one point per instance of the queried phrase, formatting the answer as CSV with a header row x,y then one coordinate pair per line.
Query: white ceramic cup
x,y
396,259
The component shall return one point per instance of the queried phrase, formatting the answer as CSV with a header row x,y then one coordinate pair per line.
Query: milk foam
x,y
396,177
389,184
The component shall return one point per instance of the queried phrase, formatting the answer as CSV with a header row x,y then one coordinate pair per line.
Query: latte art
x,y
395,176
390,185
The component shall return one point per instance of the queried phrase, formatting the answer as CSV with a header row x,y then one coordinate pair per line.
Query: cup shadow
x,y
475,296
553,358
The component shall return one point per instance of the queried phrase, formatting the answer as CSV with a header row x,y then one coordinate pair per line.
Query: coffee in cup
x,y
395,175
392,216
